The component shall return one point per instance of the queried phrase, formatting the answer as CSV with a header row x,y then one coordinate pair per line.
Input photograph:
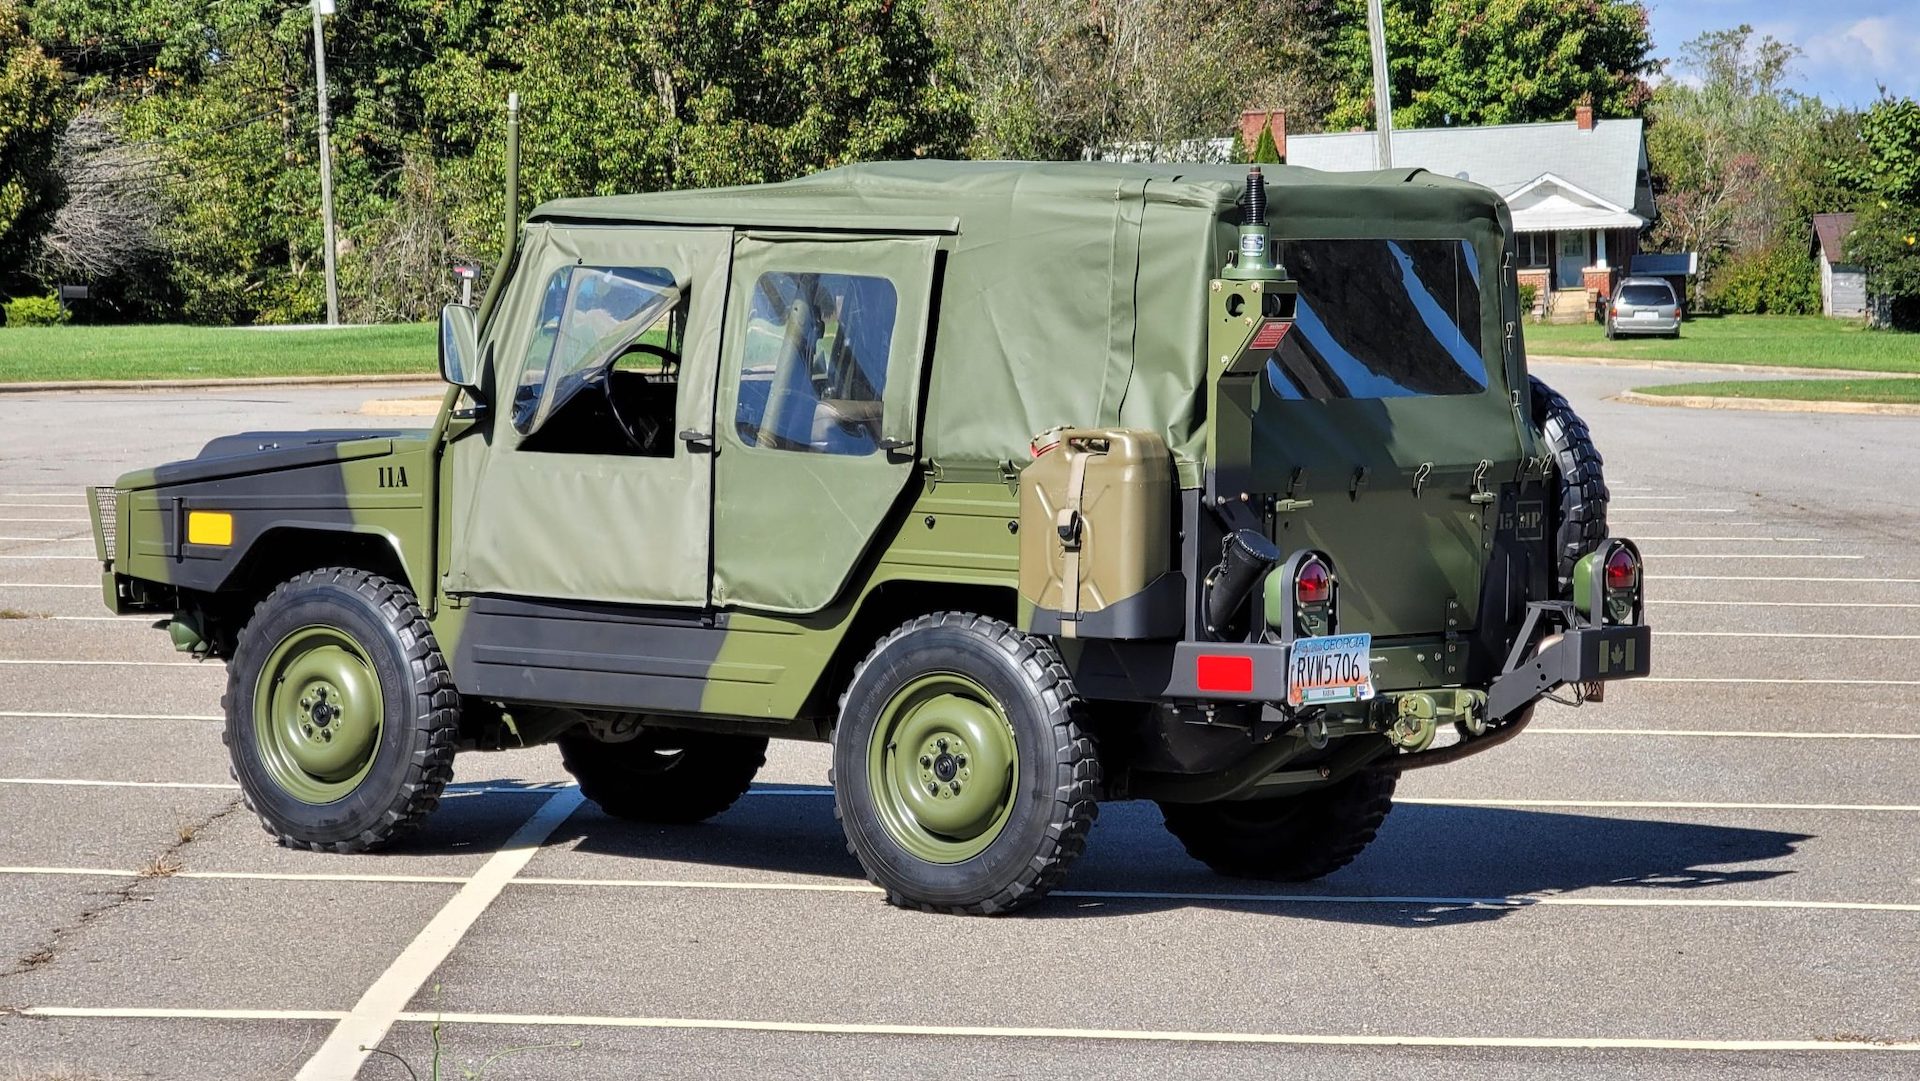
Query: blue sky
x,y
1846,45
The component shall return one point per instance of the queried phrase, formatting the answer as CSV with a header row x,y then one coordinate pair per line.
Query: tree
x,y
1886,236
1495,61
32,111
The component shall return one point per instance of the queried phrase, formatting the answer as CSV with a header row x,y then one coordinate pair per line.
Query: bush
x,y
36,312
1777,280
1529,296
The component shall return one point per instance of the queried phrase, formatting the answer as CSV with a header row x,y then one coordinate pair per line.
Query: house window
x,y
1535,248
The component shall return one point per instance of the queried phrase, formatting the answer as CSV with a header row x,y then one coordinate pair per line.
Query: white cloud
x,y
1880,46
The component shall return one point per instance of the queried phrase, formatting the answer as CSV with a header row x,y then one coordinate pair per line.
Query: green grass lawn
x,y
29,354
1898,391
1799,341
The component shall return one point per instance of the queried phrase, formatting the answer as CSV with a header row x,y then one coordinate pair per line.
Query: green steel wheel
x,y
341,714
962,777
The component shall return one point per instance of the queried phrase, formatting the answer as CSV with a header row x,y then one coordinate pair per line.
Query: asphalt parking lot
x,y
1714,874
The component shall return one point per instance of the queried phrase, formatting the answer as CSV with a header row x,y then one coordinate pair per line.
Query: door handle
x,y
697,439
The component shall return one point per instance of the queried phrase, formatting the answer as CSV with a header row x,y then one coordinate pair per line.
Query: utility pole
x,y
1382,98
322,8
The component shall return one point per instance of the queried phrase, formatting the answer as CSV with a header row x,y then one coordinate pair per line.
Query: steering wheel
x,y
647,432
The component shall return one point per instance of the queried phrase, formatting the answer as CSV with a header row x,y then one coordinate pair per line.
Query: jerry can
x,y
1096,531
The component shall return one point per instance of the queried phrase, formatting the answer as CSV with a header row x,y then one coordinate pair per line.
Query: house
x,y
1843,285
1578,189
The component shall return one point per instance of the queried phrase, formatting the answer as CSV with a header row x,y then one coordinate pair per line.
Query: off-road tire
x,y
1580,487
1288,839
1052,801
413,759
664,775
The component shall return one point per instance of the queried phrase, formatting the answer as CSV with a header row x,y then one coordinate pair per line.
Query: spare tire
x,y
1580,497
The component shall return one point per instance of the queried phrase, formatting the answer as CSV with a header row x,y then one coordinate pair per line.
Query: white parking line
x,y
1664,805
1770,578
1786,604
146,622
1680,510
1564,1043
28,662
1755,540
1799,682
93,558
95,586
347,1046
43,505
37,714
1735,555
1522,900
73,537
1618,497
1162,1036
1717,733
68,521
63,782
1786,634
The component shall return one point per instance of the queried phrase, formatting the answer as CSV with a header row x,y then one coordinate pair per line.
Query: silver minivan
x,y
1644,306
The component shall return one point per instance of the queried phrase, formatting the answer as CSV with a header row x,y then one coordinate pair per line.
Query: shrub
x,y
1529,296
1777,280
36,312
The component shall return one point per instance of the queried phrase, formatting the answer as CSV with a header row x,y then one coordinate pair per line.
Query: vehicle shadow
x,y
1430,865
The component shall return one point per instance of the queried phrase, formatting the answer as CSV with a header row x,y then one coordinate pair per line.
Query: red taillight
x,y
1679,312
1623,570
1314,584
1223,673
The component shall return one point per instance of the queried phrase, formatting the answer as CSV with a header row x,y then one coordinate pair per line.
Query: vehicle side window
x,y
814,362
588,317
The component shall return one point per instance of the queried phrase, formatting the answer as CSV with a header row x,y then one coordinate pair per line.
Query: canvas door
x,y
819,402
611,527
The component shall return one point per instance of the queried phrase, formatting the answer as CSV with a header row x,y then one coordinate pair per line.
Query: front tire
x,y
961,774
1289,839
341,714
663,775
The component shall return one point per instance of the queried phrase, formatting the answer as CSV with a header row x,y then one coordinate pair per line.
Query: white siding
x,y
1843,289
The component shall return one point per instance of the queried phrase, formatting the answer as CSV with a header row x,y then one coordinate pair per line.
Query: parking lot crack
x,y
164,863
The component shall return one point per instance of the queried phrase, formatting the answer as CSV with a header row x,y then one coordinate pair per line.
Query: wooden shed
x,y
1843,285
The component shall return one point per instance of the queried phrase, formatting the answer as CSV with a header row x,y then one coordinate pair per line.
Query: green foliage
x,y
36,312
32,111
177,352
1454,62
1800,341
1529,296
1886,242
1889,165
1779,280
1266,152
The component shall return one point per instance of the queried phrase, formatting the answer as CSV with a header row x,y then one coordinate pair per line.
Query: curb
x,y
209,384
1706,366
1768,405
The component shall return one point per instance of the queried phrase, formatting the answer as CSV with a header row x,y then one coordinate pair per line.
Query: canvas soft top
x,y
1072,292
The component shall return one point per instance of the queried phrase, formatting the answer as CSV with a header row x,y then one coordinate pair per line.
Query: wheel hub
x,y
942,765
318,713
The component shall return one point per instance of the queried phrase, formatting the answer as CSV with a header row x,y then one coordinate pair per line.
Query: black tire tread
x,y
1077,773
715,773
430,765
1580,503
1327,829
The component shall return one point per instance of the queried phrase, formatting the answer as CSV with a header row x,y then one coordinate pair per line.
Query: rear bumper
x,y
1589,654
1645,326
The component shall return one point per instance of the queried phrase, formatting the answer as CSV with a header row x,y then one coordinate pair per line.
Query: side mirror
x,y
459,346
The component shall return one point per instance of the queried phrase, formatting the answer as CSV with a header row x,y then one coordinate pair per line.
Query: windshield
x,y
1381,319
588,317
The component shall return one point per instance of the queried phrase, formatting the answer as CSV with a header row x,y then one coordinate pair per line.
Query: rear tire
x,y
961,774
1290,839
1580,498
341,714
664,775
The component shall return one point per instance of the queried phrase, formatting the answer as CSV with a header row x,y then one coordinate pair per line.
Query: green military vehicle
x,y
1026,486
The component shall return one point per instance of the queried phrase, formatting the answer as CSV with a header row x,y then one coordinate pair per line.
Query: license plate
x,y
1336,668
1646,315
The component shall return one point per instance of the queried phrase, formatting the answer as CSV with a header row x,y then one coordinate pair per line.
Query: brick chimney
x,y
1583,117
1252,121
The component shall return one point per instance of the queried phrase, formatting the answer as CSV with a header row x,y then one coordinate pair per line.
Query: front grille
x,y
106,505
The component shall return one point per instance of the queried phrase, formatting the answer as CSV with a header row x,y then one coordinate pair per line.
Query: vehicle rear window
x,y
1646,296
1381,319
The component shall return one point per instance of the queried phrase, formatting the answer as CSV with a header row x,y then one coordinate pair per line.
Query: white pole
x,y
325,7
1382,97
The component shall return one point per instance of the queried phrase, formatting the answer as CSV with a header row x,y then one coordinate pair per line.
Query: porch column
x,y
1600,248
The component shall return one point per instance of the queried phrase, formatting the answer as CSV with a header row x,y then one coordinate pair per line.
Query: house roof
x,y
1832,229
1607,162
